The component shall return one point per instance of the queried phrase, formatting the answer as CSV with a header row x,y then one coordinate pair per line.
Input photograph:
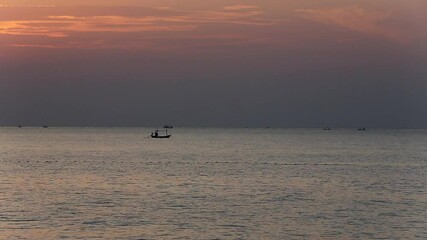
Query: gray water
x,y
116,183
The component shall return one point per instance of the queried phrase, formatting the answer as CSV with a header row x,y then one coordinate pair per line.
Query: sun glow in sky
x,y
283,58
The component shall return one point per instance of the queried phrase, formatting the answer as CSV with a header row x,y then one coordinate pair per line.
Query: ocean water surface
x,y
117,183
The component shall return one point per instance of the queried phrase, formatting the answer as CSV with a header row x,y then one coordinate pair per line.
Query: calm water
x,y
117,183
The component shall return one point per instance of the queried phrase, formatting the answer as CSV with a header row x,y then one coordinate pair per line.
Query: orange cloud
x,y
27,28
28,6
356,18
110,31
240,7
36,45
61,25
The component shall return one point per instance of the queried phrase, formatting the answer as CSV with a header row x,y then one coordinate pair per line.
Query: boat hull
x,y
167,136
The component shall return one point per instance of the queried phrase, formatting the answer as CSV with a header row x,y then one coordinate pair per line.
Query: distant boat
x,y
167,126
156,134
19,126
45,126
362,129
327,129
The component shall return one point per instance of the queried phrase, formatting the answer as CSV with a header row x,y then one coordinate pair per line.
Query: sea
x,y
212,183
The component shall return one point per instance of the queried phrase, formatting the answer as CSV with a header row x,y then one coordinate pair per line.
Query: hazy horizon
x,y
212,127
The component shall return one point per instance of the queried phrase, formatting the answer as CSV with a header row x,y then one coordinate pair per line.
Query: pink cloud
x,y
356,18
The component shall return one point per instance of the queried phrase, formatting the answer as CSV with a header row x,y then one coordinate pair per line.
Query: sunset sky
x,y
224,63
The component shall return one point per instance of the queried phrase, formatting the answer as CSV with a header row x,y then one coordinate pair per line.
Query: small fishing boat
x,y
156,134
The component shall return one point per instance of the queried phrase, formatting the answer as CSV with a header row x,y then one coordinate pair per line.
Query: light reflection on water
x,y
212,184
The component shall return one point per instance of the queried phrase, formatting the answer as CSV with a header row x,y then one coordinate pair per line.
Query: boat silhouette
x,y
156,134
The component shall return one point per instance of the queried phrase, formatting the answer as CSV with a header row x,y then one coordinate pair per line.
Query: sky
x,y
214,63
